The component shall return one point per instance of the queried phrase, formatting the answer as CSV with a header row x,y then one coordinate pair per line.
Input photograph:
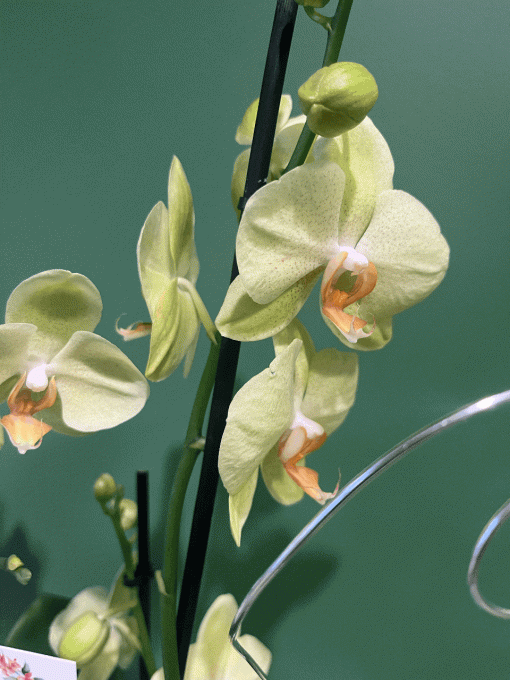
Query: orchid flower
x,y
281,415
53,365
96,630
212,656
168,269
338,216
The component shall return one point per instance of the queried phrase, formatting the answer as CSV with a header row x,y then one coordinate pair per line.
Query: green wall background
x,y
97,97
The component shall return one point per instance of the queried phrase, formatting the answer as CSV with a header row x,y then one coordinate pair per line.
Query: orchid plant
x,y
325,210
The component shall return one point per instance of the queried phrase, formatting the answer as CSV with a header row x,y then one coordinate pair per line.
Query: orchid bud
x,y
337,98
14,565
104,487
128,513
84,639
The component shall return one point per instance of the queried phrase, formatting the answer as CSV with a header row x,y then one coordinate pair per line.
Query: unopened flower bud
x,y
337,98
84,639
104,487
128,513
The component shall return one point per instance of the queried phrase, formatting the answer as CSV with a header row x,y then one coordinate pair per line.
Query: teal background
x,y
97,96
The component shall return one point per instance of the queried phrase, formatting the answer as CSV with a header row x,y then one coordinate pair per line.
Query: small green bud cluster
x,y
104,487
111,497
13,564
337,98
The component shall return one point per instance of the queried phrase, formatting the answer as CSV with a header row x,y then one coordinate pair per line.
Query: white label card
x,y
16,664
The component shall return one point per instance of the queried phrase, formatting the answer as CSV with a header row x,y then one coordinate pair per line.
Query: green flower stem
x,y
335,38
125,546
175,505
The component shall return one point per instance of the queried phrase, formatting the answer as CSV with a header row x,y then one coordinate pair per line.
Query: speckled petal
x,y
243,319
408,250
289,228
366,160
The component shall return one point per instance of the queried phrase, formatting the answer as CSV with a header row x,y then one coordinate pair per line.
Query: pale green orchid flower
x,y
335,215
281,415
96,630
286,135
48,350
168,269
212,656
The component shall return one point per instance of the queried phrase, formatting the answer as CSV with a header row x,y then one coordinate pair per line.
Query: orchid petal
x,y
239,506
281,487
181,223
284,144
282,340
243,319
98,386
409,252
104,664
175,327
59,303
238,667
91,599
153,250
244,134
14,345
239,179
289,228
365,158
212,638
258,415
331,389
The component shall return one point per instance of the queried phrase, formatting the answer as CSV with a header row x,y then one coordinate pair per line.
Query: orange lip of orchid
x,y
26,432
296,443
334,301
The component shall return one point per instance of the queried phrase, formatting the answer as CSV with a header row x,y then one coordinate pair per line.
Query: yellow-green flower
x,y
336,216
281,415
96,630
53,365
212,657
168,269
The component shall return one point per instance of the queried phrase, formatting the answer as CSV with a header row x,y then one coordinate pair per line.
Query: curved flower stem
x,y
335,38
174,512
